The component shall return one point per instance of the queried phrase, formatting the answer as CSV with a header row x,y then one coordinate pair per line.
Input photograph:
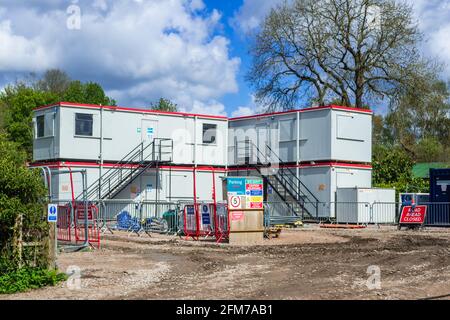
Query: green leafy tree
x,y
391,164
22,192
164,105
89,92
430,150
392,168
419,117
17,104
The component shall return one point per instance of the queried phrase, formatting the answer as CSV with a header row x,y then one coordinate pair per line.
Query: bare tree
x,y
54,80
352,51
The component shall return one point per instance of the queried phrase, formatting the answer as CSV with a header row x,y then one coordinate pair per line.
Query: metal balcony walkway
x,y
284,182
137,161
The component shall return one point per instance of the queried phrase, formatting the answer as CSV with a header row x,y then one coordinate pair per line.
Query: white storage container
x,y
365,205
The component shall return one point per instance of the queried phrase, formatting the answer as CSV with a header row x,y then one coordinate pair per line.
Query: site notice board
x,y
245,209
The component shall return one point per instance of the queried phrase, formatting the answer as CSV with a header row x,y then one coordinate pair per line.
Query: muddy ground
x,y
307,263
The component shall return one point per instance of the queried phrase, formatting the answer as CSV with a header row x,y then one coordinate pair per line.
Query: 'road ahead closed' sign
x,y
413,215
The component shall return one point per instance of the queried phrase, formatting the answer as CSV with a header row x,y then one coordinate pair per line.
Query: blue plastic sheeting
x,y
126,222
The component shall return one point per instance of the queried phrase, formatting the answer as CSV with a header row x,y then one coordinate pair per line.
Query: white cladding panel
x,y
351,136
324,182
123,131
315,136
47,147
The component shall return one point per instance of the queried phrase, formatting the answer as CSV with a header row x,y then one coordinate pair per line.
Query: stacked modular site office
x,y
326,148
96,138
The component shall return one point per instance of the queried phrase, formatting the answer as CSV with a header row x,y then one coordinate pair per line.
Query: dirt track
x,y
309,263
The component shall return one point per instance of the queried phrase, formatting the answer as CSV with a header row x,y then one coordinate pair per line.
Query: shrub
x,y
29,278
22,201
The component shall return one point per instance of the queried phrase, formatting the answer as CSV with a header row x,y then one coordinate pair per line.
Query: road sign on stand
x,y
412,216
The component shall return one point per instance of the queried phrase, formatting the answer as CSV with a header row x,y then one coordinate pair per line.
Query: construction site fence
x,y
379,213
139,216
78,223
179,218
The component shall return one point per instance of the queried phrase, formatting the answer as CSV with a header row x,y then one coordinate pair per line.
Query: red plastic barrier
x,y
64,224
208,220
190,221
92,225
221,223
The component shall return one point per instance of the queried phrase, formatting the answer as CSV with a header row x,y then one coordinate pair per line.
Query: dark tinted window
x,y
83,124
40,126
209,133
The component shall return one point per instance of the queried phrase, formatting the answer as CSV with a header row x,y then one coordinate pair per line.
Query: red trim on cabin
x,y
135,110
316,165
187,114
332,107
62,164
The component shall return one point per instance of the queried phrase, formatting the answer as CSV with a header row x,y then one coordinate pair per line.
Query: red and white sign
x,y
237,215
414,215
253,187
256,205
235,202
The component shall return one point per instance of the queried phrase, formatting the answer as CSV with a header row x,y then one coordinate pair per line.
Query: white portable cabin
x,y
365,205
73,131
326,148
68,135
331,133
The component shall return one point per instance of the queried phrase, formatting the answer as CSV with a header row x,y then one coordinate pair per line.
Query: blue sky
x,y
194,52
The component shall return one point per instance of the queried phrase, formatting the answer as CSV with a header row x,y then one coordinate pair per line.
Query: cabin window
x,y
209,133
40,126
83,124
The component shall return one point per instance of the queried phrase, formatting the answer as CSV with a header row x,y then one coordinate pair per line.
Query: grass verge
x,y
29,278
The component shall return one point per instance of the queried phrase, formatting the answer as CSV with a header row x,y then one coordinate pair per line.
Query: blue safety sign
x,y
256,193
206,219
52,212
190,210
150,131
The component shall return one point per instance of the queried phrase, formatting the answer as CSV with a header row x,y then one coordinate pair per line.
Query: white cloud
x,y
250,109
434,21
21,54
250,15
138,50
242,112
212,107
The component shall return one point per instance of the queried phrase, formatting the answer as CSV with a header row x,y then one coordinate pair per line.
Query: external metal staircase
x,y
283,181
137,161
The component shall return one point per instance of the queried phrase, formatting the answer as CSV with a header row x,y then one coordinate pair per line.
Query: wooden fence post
x,y
18,240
